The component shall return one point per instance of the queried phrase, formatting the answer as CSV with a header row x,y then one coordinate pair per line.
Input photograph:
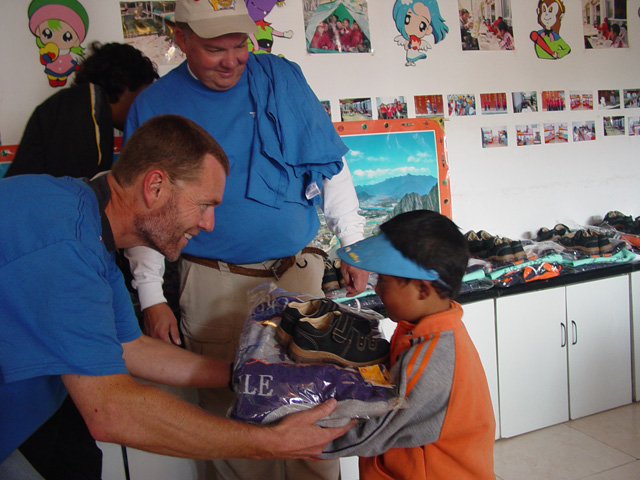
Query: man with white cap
x,y
285,159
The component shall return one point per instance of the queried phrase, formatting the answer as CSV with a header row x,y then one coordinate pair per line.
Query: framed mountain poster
x,y
397,165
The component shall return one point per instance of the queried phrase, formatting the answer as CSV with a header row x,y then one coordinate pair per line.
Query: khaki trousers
x,y
214,308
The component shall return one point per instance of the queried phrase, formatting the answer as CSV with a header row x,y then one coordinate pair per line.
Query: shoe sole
x,y
282,337
314,356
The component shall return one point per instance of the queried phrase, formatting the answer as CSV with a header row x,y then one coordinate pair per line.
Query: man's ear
x,y
181,38
154,184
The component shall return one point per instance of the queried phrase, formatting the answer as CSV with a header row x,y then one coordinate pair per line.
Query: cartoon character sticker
x,y
262,41
415,20
60,26
548,42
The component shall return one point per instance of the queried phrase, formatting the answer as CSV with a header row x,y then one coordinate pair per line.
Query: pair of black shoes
x,y
493,248
622,223
317,331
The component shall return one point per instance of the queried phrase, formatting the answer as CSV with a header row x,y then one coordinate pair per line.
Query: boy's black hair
x,y
615,28
432,241
116,67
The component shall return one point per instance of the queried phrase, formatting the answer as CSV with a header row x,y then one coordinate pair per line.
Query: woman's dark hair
x,y
432,241
116,67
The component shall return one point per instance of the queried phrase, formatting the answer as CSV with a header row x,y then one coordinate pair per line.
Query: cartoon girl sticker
x,y
416,19
548,43
60,26
262,41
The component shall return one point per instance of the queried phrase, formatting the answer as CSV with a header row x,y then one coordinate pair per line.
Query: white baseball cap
x,y
209,21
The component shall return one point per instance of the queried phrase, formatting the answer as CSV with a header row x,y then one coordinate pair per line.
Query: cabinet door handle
x,y
563,338
574,332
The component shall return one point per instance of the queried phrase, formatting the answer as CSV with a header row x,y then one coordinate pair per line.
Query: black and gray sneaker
x,y
334,338
295,311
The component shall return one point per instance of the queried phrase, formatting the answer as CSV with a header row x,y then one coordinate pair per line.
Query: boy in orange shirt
x,y
447,429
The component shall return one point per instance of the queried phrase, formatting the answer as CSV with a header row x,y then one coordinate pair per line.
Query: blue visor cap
x,y
377,254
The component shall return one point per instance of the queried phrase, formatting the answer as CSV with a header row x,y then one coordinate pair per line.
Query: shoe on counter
x,y
334,338
560,229
544,234
500,251
478,242
295,311
581,240
517,249
474,243
619,221
604,244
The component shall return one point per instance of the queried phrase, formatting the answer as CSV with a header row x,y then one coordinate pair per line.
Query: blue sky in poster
x,y
373,158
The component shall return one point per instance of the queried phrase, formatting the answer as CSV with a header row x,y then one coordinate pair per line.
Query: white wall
x,y
507,191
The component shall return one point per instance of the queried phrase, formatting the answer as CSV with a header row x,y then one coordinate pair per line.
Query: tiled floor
x,y
605,446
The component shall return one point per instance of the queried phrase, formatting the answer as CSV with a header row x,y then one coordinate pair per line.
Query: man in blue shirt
x,y
67,319
285,160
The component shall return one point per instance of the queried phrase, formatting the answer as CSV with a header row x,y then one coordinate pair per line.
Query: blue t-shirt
x,y
245,230
65,308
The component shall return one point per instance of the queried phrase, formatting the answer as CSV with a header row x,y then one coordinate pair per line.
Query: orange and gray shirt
x,y
447,428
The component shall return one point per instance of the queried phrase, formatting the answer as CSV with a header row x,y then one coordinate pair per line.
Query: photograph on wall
x,y
355,109
547,41
336,26
461,105
581,100
485,25
429,105
60,27
525,102
609,99
326,104
391,107
492,103
397,166
553,101
418,23
556,133
493,137
584,131
632,98
528,135
150,26
634,126
613,126
604,23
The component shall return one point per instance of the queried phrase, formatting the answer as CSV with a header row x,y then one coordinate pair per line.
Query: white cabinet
x,y
563,353
599,350
480,321
635,309
532,360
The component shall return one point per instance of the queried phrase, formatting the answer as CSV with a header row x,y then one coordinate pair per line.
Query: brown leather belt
x,y
278,267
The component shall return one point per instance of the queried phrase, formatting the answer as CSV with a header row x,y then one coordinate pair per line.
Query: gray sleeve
x,y
420,421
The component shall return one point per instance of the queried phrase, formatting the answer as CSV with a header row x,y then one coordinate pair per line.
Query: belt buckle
x,y
275,266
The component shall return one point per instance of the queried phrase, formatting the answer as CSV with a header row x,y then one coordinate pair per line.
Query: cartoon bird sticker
x,y
60,26
415,20
548,42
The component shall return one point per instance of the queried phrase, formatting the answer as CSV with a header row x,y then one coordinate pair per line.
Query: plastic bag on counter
x,y
270,385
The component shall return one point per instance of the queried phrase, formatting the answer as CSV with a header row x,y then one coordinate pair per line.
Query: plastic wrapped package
x,y
270,385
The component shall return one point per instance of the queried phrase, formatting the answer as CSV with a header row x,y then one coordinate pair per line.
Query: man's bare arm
x,y
120,410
